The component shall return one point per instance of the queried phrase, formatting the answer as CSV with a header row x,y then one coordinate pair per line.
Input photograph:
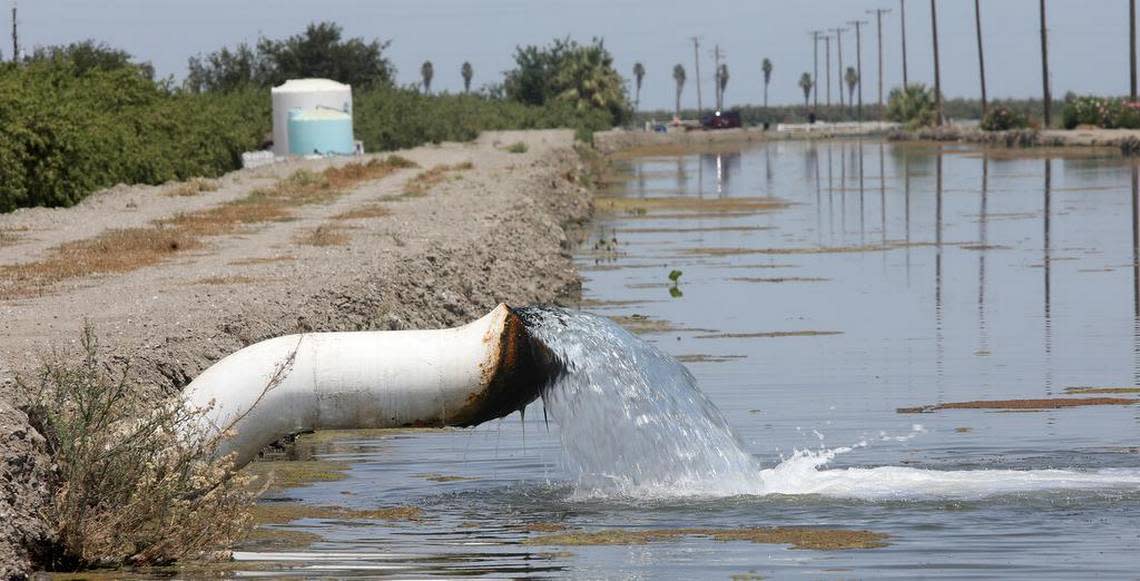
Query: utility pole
x,y
937,66
858,24
839,49
982,58
902,19
815,73
827,64
697,70
1045,67
879,12
1132,43
716,77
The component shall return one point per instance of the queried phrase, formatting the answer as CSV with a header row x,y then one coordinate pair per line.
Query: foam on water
x,y
633,423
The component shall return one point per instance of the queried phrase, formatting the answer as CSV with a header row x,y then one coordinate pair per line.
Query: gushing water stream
x,y
634,423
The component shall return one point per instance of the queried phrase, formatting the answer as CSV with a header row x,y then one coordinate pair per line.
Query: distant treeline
x,y
81,117
954,109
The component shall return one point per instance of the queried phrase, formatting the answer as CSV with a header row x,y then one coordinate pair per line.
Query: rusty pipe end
x,y
520,369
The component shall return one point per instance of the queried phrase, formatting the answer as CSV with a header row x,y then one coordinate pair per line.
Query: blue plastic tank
x,y
320,132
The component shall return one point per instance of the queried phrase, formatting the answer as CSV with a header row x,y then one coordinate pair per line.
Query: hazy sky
x,y
1088,42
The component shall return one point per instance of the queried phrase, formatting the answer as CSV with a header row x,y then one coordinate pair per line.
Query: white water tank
x,y
305,94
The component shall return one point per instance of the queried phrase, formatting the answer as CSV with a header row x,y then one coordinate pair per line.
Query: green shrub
x,y
389,118
913,106
1001,118
65,134
1104,112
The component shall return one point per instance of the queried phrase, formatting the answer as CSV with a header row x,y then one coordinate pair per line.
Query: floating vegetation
x,y
768,335
741,251
1020,404
798,538
778,279
714,206
543,527
984,247
434,477
277,539
1101,390
295,473
601,304
760,266
287,512
645,325
705,358
683,230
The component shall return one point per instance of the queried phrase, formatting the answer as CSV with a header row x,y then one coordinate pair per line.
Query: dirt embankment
x,y
423,247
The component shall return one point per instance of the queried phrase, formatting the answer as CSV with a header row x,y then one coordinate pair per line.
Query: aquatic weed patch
x,y
798,538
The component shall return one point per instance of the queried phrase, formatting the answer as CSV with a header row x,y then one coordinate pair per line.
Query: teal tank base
x,y
320,132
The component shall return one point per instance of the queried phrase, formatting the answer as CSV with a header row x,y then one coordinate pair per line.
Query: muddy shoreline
x,y
403,256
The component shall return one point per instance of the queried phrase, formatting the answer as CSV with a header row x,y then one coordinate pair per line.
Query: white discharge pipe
x,y
373,379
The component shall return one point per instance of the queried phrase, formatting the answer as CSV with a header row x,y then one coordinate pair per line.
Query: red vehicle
x,y
721,120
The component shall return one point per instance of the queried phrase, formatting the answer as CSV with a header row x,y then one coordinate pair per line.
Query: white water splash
x,y
633,423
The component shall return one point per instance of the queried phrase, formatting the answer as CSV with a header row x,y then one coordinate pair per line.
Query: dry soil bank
x,y
490,232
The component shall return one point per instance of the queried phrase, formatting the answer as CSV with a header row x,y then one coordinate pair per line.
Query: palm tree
x,y
721,83
427,71
468,73
852,79
638,76
679,77
766,66
806,84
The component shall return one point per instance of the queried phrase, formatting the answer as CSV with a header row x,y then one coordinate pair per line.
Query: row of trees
x,y
81,117
564,71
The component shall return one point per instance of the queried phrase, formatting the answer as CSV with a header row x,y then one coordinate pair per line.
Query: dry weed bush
x,y
129,249
425,181
193,187
324,235
135,480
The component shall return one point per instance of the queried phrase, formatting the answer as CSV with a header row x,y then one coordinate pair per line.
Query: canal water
x,y
895,276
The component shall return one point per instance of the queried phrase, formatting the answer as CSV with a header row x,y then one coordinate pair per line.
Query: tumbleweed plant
x,y
135,481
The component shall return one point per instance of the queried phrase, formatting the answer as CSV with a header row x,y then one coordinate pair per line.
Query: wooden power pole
x,y
815,73
902,20
937,65
1132,43
697,71
858,24
879,12
1045,68
981,55
839,44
